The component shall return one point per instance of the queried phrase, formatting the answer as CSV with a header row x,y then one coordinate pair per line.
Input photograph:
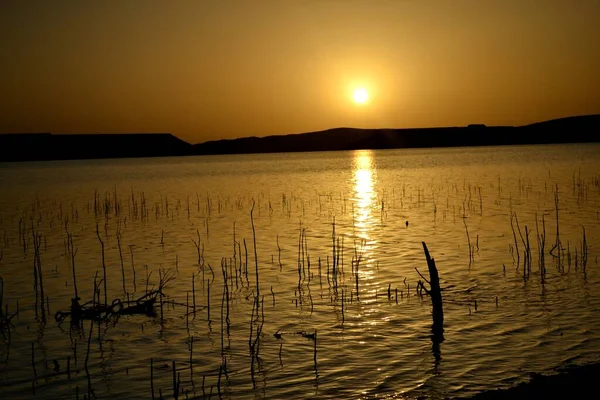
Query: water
x,y
187,216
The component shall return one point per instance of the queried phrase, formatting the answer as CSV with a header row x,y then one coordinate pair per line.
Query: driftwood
x,y
435,293
98,312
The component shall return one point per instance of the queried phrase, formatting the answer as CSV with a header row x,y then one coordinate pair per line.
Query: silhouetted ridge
x,y
565,130
46,146
582,122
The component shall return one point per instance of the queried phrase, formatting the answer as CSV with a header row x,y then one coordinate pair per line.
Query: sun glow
x,y
360,96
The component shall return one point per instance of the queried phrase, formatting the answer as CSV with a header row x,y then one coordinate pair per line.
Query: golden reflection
x,y
364,195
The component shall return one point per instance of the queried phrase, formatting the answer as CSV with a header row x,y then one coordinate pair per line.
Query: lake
x,y
294,275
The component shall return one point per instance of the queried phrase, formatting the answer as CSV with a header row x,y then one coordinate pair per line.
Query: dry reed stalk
x,y
38,275
199,249
333,249
33,361
121,258
176,382
512,216
192,359
584,251
187,312
541,241
527,251
103,265
279,253
255,253
208,300
152,377
468,241
557,244
72,252
272,295
194,293
133,268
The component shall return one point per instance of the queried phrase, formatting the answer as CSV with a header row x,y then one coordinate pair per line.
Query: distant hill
x,y
48,146
565,130
578,123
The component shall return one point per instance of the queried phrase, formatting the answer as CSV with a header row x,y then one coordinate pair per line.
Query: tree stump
x,y
435,294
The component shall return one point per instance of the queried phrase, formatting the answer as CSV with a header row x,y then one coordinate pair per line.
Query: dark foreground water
x,y
303,272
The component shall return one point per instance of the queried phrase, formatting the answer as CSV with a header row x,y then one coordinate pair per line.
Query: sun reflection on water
x,y
363,216
364,195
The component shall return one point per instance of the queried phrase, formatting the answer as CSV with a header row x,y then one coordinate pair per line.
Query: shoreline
x,y
568,382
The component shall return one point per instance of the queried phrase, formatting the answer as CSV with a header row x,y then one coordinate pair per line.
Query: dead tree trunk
x,y
435,293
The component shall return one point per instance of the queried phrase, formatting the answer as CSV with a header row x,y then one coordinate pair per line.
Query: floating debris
x,y
94,311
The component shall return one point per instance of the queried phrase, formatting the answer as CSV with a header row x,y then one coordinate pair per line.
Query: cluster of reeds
x,y
563,255
527,258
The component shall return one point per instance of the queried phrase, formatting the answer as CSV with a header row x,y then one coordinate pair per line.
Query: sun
x,y
360,96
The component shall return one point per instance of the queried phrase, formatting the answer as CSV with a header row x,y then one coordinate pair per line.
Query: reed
x,y
300,260
342,304
468,241
315,354
72,253
255,254
103,265
38,274
121,259
33,361
199,248
333,248
226,293
541,241
191,362
3,314
527,252
194,293
176,382
272,295
133,268
584,251
557,244
526,249
246,262
152,377
208,301
512,227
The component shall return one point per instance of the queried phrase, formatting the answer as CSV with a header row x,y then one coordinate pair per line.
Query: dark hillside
x,y
47,146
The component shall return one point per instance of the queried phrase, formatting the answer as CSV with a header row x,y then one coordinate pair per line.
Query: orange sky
x,y
211,69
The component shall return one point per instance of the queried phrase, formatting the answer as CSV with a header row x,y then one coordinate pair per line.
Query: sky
x,y
213,69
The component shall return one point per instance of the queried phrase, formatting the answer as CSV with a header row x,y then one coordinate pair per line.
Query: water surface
x,y
369,211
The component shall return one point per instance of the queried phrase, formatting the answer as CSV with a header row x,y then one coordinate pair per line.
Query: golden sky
x,y
212,69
